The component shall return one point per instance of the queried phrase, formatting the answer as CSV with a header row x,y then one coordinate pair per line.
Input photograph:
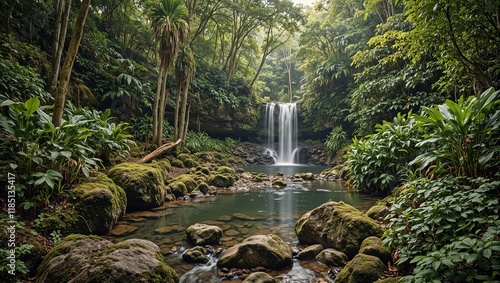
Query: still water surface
x,y
241,214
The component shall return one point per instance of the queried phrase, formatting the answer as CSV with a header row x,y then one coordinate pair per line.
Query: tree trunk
x,y
177,132
62,88
156,106
182,123
63,10
159,151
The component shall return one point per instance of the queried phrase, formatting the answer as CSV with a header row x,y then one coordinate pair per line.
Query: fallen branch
x,y
159,151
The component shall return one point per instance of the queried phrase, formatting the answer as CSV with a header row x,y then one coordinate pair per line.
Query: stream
x,y
241,213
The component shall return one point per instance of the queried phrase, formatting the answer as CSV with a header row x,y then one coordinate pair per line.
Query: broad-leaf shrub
x,y
463,137
336,139
201,141
47,159
447,229
379,162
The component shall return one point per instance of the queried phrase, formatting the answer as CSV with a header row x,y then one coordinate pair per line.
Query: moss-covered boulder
x,y
79,258
279,183
373,246
188,181
378,212
361,269
203,234
260,177
332,257
99,202
336,225
310,252
178,189
268,251
144,184
259,277
189,161
177,163
221,180
197,254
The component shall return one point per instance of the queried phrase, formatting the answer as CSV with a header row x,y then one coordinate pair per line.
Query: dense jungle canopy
x,y
351,63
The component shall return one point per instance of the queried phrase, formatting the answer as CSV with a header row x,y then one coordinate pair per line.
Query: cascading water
x,y
286,151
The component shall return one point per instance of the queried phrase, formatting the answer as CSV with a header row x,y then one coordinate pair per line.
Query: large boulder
x,y
99,202
144,184
203,234
361,269
79,258
332,257
268,251
223,177
336,225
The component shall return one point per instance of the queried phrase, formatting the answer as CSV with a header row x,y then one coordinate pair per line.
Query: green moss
x,y
189,161
362,268
203,187
221,180
178,189
226,170
279,182
188,181
177,163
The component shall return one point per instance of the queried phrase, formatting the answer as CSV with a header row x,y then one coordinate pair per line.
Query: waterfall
x,y
286,150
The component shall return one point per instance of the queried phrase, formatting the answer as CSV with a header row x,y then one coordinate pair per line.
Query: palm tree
x,y
170,28
185,68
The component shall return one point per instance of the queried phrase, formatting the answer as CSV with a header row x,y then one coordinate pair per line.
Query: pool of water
x,y
240,214
287,170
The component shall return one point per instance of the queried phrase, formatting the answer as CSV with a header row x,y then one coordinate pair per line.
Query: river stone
x,y
310,252
121,230
196,254
259,277
170,229
332,257
336,225
361,269
144,184
373,246
268,251
82,259
203,234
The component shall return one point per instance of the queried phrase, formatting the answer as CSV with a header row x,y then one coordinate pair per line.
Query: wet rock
x,y
336,225
332,257
143,184
225,218
259,277
82,259
269,251
243,216
378,212
361,269
170,229
231,232
279,182
196,254
121,230
310,252
202,234
373,246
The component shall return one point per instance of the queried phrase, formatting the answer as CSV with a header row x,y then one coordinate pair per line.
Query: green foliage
x,y
447,229
336,139
143,128
379,162
201,141
462,138
20,251
19,83
49,159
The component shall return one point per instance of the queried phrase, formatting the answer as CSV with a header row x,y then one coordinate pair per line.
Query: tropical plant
x,y
462,138
447,230
201,141
336,139
170,20
379,162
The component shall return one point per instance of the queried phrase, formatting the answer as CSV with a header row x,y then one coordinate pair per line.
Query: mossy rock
x,y
259,277
373,246
79,258
178,189
188,181
279,182
226,170
99,203
361,269
67,221
189,161
164,165
177,163
221,180
336,225
378,212
203,234
268,251
260,177
203,187
332,257
203,170
144,184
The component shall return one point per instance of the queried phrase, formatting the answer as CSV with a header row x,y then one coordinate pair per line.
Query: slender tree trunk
x,y
183,111
177,133
62,88
63,10
163,104
187,125
156,106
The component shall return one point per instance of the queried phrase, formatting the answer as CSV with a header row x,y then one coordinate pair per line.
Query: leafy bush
x,y
379,162
462,137
336,139
143,128
49,159
201,141
448,229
